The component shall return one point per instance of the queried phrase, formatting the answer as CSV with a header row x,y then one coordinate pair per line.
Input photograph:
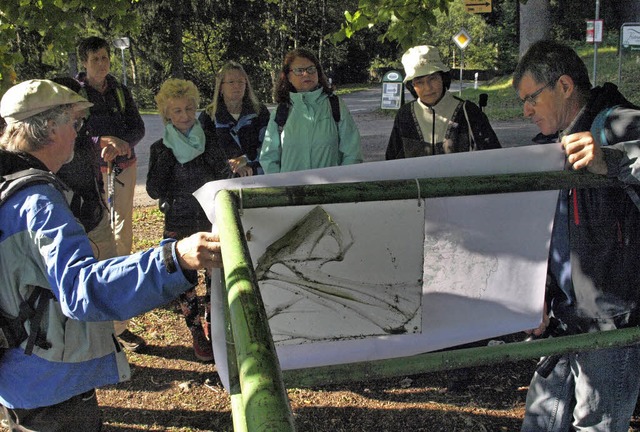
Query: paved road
x,y
374,129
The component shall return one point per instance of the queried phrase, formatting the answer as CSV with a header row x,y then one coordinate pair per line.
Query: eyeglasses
x,y
240,83
300,71
531,99
77,124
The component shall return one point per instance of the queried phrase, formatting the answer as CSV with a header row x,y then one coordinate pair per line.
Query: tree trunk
x,y
535,23
177,62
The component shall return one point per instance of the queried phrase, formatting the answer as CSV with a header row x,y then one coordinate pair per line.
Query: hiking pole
x,y
111,193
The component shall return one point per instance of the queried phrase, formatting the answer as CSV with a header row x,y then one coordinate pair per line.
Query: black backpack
x,y
12,331
282,112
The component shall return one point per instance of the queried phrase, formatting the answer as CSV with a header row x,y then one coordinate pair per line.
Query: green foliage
x,y
405,22
479,54
36,36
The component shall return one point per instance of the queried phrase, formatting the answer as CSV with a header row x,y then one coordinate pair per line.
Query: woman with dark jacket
x,y
183,160
237,118
436,122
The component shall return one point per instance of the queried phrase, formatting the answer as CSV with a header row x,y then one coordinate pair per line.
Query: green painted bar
x,y
414,188
237,404
264,397
453,359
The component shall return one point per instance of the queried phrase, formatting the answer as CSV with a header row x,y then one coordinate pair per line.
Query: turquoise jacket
x,y
310,137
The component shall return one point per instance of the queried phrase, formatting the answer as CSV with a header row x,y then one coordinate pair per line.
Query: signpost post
x,y
594,36
122,43
462,40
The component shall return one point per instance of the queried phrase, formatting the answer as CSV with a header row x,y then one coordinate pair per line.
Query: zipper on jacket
x,y
433,131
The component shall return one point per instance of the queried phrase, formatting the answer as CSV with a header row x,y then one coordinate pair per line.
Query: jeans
x,y
586,391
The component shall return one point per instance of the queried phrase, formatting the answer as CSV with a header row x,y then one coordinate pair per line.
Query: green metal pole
x,y
266,405
235,392
417,188
457,358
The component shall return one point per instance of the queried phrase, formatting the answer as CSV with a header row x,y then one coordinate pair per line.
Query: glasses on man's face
x,y
233,82
532,98
77,124
300,71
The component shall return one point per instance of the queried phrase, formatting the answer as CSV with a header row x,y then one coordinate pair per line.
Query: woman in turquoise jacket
x,y
311,128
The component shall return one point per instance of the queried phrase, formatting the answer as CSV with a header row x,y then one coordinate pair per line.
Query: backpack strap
x,y
335,107
120,98
473,145
282,113
11,183
12,332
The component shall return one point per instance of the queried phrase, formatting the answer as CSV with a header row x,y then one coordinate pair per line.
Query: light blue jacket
x,y
42,244
310,137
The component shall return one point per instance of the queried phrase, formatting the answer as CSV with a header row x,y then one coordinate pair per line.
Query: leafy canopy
x,y
406,21
57,24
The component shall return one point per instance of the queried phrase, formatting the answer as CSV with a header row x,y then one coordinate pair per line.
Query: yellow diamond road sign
x,y
478,6
462,39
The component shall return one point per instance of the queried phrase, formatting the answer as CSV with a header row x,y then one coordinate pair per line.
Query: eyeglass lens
x,y
309,70
77,124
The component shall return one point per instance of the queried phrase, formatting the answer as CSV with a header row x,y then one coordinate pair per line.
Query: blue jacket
x,y
310,137
42,244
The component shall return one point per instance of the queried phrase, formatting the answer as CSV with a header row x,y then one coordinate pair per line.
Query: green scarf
x,y
185,148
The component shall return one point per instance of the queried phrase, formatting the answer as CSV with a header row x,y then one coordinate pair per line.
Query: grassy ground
x,y
505,105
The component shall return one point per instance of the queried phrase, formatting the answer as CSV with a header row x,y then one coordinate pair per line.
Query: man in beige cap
x,y
57,341
436,122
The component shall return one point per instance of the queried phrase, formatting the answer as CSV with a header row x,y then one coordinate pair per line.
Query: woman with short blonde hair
x,y
183,160
175,88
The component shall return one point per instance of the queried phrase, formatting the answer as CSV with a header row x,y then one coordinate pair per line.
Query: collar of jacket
x,y
314,96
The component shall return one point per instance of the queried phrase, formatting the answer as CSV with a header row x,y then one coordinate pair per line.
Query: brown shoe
x,y
131,342
201,346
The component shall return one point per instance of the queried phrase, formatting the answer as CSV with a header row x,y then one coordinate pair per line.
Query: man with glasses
x,y
593,278
61,343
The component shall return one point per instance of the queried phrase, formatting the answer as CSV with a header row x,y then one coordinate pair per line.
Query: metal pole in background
x,y
124,69
461,61
595,45
122,44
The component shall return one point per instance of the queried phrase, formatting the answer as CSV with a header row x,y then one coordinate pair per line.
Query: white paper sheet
x,y
396,278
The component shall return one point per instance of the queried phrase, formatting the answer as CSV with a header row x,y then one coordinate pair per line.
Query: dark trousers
x,y
80,413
